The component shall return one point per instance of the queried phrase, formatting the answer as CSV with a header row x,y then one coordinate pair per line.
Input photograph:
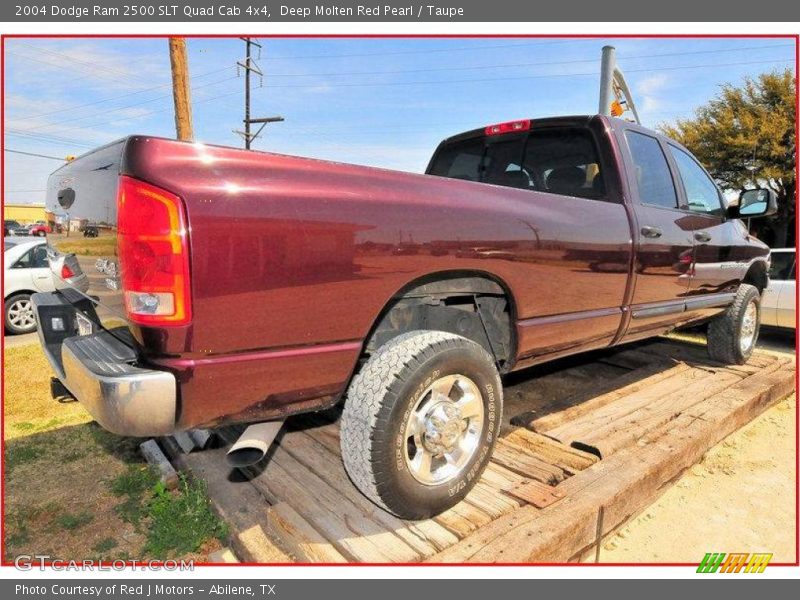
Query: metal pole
x,y
607,66
247,97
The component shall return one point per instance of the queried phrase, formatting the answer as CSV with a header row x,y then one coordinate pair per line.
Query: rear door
x,y
664,245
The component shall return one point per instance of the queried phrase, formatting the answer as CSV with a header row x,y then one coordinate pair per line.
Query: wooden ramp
x,y
569,468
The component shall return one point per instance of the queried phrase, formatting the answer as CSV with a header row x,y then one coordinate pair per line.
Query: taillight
x,y
66,272
153,254
510,127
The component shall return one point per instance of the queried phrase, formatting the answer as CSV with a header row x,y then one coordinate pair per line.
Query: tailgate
x,y
83,196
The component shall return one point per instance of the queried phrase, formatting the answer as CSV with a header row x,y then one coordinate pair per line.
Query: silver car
x,y
778,300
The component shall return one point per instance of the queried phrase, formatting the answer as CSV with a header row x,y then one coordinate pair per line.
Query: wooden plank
x,y
582,427
241,506
299,537
500,478
536,493
623,484
303,446
697,355
552,451
327,434
632,359
625,385
522,461
627,430
491,501
354,534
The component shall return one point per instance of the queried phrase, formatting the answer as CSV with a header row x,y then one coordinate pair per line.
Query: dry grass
x,y
64,476
99,246
28,406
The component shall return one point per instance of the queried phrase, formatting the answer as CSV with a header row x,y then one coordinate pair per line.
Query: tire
x,y
420,422
18,314
732,335
41,233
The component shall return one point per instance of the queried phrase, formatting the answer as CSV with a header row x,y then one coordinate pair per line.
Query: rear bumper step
x,y
101,372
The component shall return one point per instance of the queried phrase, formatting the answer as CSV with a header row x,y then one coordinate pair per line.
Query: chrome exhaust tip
x,y
253,445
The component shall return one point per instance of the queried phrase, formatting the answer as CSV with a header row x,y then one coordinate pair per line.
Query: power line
x,y
125,76
33,154
431,50
530,64
110,98
452,81
520,77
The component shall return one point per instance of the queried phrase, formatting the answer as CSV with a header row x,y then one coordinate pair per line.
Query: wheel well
x,y
476,307
17,293
757,275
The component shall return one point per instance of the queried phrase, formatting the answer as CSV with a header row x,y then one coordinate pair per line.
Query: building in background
x,y
24,213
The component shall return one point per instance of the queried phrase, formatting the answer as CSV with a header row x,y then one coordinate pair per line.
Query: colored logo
x,y
735,562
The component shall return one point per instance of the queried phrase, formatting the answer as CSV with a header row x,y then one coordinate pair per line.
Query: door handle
x,y
702,236
651,232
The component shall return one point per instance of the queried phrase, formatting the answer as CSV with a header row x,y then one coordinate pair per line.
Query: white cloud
x,y
649,92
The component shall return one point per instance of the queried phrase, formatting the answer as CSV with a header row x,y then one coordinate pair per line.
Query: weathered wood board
x,y
657,409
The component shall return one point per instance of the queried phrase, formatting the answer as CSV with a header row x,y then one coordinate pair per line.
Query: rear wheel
x,y
732,335
420,421
19,317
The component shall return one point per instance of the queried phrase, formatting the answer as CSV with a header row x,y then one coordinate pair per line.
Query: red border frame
x,y
795,37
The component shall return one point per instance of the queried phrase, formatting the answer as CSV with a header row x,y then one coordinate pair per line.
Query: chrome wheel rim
x,y
443,430
747,335
20,314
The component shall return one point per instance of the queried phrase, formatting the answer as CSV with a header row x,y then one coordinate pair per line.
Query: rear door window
x,y
653,177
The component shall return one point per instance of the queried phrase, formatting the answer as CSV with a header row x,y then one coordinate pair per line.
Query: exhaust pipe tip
x,y
253,445
245,456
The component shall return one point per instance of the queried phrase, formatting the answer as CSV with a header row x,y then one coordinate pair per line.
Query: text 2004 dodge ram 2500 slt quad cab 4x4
x,y
246,286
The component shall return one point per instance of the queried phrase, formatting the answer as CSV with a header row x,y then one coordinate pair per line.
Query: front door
x,y
664,243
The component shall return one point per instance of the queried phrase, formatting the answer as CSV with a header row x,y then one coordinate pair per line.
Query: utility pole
x,y
250,66
180,88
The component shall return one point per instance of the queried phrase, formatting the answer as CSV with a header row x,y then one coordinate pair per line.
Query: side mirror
x,y
755,203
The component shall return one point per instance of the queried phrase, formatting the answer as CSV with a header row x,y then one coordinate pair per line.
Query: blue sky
x,y
382,102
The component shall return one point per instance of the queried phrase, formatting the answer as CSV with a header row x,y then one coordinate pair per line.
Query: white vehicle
x,y
778,299
26,272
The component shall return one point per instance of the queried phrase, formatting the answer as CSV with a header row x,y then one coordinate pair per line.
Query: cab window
x,y
702,194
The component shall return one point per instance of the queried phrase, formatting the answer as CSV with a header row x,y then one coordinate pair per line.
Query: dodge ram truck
x,y
242,287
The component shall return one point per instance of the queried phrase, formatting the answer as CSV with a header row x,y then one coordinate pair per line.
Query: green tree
x,y
746,138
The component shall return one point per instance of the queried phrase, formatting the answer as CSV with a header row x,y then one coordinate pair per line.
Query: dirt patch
x,y
740,498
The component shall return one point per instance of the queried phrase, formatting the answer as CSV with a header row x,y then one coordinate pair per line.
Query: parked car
x,y
39,229
91,230
27,271
778,301
252,286
11,227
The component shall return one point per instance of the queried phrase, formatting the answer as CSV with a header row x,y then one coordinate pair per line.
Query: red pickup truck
x,y
247,286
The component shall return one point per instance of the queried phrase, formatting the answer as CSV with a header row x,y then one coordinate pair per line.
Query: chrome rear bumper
x,y
102,373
